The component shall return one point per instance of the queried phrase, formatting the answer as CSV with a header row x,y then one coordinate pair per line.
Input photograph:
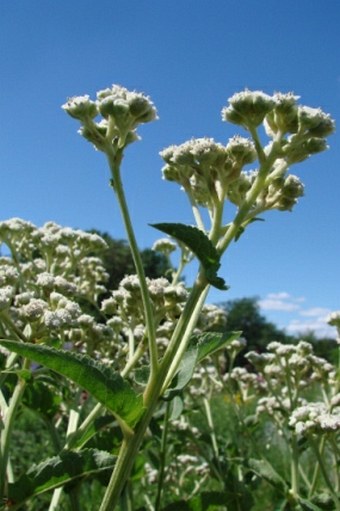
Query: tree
x,y
244,314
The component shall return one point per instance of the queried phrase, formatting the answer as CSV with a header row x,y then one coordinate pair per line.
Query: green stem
x,y
213,438
163,452
114,159
155,387
183,331
324,472
8,423
73,420
12,326
294,467
317,469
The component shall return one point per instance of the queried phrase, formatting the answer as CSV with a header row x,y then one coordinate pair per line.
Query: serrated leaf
x,y
210,342
265,470
106,385
200,245
68,466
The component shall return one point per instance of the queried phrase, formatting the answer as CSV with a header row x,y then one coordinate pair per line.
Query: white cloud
x,y
304,320
281,301
316,312
277,305
278,296
318,326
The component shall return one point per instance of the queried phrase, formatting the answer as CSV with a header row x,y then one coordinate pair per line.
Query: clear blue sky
x,y
189,56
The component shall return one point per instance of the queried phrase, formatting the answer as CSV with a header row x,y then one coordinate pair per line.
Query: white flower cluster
x,y
210,171
121,110
288,364
334,320
50,272
289,372
315,418
164,245
125,313
204,168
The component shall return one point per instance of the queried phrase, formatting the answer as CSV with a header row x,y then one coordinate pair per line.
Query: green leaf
x,y
306,505
176,408
200,245
206,501
79,438
68,466
184,374
265,470
42,399
106,385
210,342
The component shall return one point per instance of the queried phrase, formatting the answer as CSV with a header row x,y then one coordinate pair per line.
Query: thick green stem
x,y
7,432
155,387
114,159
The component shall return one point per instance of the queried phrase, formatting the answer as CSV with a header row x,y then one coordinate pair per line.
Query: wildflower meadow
x,y
133,398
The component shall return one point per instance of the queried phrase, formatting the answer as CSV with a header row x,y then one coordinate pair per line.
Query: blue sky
x,y
189,56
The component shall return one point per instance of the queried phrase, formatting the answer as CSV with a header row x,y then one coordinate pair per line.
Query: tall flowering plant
x,y
140,344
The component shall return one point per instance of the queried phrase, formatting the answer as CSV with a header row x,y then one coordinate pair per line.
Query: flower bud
x,y
284,116
81,107
315,121
248,108
298,150
293,187
111,106
142,108
242,150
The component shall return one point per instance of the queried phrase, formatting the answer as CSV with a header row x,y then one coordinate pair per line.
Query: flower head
x,y
248,108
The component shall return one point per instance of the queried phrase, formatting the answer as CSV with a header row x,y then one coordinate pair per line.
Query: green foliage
x,y
103,383
65,468
200,245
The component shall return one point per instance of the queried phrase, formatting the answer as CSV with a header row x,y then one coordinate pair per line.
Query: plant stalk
x,y
114,159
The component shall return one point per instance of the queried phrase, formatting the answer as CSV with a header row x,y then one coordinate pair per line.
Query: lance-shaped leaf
x,y
264,469
200,245
106,385
209,343
67,467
